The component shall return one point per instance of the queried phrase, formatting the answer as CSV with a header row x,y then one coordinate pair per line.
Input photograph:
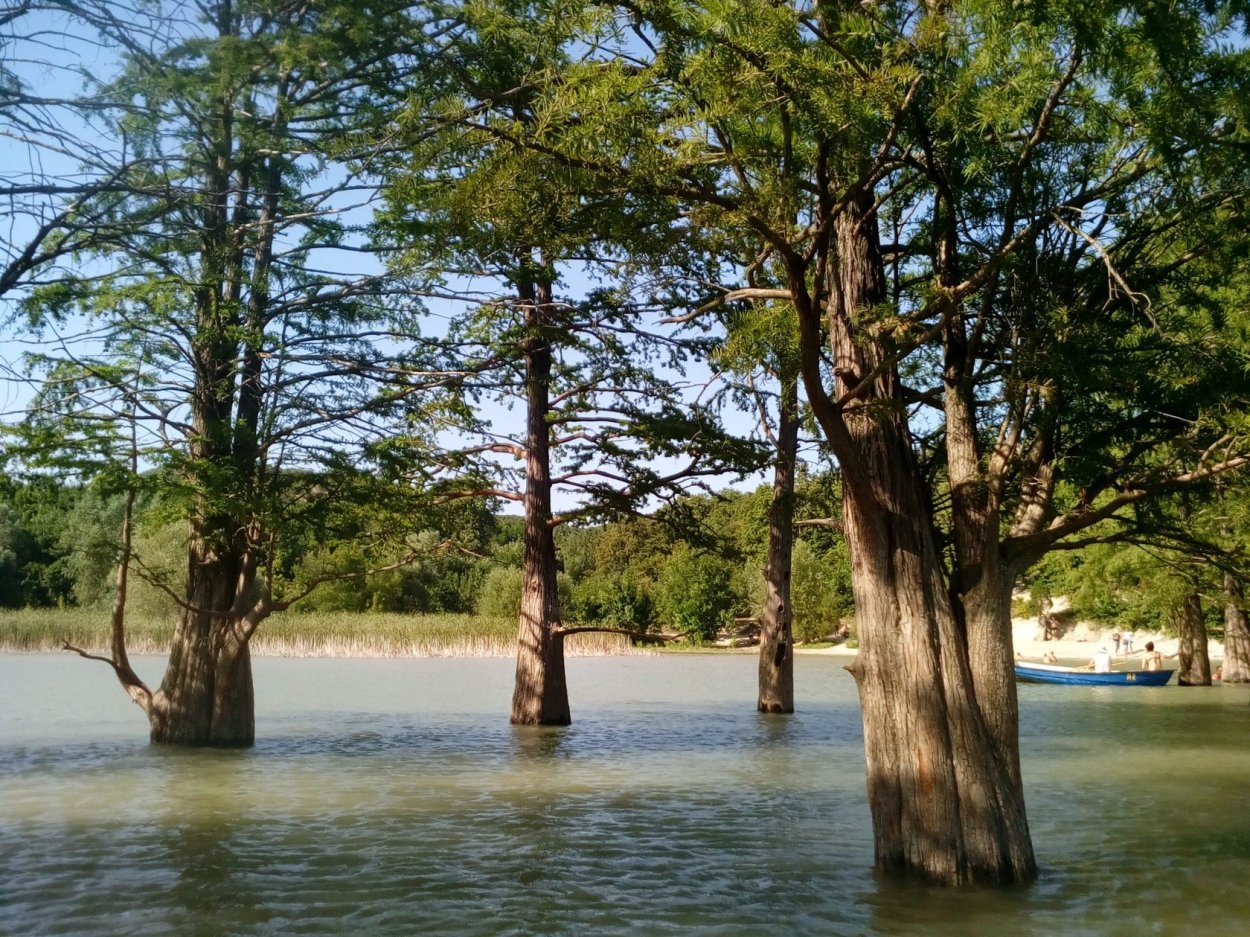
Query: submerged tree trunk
x,y
206,695
1236,665
540,694
1195,664
776,670
946,804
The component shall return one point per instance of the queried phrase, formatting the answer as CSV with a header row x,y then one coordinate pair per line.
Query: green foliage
x,y
500,593
1116,585
695,594
343,566
820,589
33,570
616,600
10,581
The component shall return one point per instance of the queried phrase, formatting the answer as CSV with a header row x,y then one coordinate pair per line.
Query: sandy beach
x,y
1083,639
1077,646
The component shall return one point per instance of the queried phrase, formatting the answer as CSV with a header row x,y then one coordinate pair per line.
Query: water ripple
x,y
669,807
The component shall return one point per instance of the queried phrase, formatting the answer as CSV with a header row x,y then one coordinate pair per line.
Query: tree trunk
x,y
776,671
206,695
540,695
986,611
946,805
981,582
1236,665
1195,665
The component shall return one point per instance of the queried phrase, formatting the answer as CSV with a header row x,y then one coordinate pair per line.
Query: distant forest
x,y
696,564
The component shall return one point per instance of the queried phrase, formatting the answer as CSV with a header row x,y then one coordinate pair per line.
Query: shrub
x,y
820,591
500,593
695,592
618,601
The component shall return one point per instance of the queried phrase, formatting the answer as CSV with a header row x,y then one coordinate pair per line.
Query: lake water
x,y
392,797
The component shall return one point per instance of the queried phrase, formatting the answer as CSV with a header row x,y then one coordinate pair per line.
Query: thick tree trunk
x,y
946,804
1236,665
1195,664
206,695
540,694
776,671
981,581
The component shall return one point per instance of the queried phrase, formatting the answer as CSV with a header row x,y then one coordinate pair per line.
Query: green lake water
x,y
391,797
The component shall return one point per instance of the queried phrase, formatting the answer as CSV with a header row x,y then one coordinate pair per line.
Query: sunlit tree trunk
x,y
986,612
1195,664
776,670
540,695
944,804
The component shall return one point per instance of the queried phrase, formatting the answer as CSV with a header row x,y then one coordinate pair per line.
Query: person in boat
x,y
1151,659
1050,658
1101,662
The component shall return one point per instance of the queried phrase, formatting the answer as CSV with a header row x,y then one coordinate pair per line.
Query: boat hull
x,y
1050,673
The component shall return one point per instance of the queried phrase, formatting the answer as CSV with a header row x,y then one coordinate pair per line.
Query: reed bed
x,y
317,634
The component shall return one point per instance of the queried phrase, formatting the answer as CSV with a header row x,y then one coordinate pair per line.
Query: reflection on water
x,y
392,797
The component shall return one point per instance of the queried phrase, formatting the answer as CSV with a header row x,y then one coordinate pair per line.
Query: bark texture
x,y
1236,666
944,790
944,804
540,693
981,581
206,696
776,671
1195,663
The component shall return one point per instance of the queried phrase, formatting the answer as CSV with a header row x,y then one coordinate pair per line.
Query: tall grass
x,y
295,634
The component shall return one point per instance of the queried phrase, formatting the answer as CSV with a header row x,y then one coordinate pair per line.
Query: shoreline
x,y
1082,641
433,637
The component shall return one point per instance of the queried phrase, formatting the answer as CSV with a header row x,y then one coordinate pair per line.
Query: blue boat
x,y
1054,673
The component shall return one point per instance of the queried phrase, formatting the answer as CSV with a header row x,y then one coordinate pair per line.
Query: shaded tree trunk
x,y
776,670
981,582
986,610
540,694
1195,664
946,805
1236,666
